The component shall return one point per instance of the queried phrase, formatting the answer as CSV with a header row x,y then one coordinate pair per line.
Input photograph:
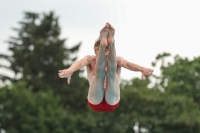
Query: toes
x,y
104,30
111,27
105,27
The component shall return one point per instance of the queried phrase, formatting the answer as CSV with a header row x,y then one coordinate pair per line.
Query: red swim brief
x,y
103,106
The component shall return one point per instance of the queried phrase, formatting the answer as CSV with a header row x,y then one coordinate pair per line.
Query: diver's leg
x,y
96,90
112,92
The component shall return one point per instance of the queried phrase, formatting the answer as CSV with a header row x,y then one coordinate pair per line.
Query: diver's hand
x,y
65,73
146,72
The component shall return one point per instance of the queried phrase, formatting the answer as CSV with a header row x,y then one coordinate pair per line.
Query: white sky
x,y
144,28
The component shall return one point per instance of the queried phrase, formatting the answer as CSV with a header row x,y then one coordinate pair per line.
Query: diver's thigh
x,y
112,92
96,91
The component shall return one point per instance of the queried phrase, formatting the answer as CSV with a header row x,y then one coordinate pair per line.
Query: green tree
x,y
180,77
158,111
38,52
37,55
23,111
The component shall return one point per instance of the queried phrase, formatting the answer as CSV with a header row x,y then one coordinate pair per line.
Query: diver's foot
x,y
104,35
111,34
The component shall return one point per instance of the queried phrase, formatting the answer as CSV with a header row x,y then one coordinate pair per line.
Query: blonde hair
x,y
97,44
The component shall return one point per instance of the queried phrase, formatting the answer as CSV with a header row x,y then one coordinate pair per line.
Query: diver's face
x,y
96,51
106,54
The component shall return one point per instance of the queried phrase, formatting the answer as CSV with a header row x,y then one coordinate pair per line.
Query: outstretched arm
x,y
66,73
134,67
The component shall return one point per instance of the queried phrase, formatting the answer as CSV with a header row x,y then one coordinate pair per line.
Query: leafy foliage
x,y
23,111
181,77
37,55
38,52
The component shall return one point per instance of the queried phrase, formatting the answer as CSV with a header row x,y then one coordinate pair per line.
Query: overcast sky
x,y
144,28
